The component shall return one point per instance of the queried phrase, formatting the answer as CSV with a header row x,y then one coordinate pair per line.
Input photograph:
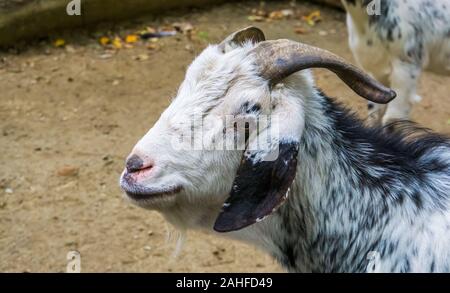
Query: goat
x,y
336,192
394,40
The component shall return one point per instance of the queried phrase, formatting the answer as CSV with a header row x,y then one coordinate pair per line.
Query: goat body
x,y
359,192
395,40
355,192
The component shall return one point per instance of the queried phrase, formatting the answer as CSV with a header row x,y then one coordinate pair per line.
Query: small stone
x,y
9,190
141,57
70,49
67,171
105,56
147,248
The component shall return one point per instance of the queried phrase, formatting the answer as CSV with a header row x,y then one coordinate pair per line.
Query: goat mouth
x,y
146,194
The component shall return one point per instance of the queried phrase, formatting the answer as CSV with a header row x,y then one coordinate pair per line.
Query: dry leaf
x,y
104,41
130,39
281,14
300,30
312,18
59,43
117,43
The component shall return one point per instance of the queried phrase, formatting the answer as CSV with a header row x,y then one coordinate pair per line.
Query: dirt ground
x,y
69,116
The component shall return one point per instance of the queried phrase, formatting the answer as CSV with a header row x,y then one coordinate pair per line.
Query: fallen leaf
x,y
300,30
130,39
59,43
276,15
104,41
448,122
312,18
117,43
281,14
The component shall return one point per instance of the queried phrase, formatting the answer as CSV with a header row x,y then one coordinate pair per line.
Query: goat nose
x,y
134,164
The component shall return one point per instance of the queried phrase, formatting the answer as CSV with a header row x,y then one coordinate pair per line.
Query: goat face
x,y
231,136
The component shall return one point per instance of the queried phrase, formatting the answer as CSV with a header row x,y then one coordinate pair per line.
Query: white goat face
x,y
184,157
201,151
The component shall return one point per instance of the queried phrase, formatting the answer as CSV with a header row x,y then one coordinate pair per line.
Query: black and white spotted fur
x,y
395,40
360,190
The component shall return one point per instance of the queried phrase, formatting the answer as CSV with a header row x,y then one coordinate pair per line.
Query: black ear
x,y
238,38
259,188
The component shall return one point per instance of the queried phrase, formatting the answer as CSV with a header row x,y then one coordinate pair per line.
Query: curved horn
x,y
280,58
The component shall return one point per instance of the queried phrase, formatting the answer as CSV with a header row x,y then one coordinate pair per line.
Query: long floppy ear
x,y
267,170
238,38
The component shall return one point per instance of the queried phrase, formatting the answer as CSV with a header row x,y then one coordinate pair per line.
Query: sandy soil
x,y
74,107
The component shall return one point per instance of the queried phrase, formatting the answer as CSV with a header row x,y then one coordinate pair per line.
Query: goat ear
x,y
263,179
238,38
